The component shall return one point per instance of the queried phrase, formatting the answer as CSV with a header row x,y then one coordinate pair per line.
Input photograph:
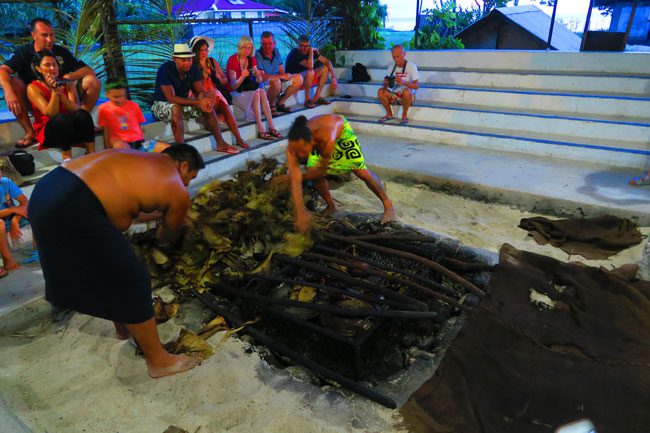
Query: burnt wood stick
x,y
430,263
339,311
346,293
415,286
355,282
466,266
388,268
276,346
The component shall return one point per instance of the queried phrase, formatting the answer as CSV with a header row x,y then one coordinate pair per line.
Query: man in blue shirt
x,y
270,64
12,218
173,102
308,62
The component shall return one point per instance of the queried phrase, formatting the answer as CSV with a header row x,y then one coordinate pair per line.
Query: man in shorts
x,y
331,147
16,73
12,218
172,102
79,212
314,67
400,85
279,82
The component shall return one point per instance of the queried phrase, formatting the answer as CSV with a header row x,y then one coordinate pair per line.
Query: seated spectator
x,y
278,82
13,217
308,62
245,80
172,102
400,85
49,95
120,119
20,64
215,84
642,180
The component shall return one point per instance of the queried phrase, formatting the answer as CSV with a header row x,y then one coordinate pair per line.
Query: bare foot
x,y
389,215
329,210
171,365
121,331
10,265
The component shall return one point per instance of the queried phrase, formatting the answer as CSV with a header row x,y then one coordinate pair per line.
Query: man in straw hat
x,y
172,101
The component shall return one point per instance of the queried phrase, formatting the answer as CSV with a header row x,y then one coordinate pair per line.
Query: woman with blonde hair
x,y
212,79
245,79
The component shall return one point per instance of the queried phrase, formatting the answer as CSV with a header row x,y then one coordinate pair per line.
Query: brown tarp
x,y
593,238
517,367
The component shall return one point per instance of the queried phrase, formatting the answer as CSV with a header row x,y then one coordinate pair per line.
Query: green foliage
x,y
360,23
438,31
311,18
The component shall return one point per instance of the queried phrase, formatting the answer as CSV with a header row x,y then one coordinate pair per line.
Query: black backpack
x,y
359,74
23,162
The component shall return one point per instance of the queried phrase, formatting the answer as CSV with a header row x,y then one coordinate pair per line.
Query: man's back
x,y
128,182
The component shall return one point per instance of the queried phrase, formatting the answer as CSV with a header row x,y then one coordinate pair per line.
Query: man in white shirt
x,y
400,85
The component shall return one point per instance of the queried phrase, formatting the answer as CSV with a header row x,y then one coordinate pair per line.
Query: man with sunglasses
x,y
308,62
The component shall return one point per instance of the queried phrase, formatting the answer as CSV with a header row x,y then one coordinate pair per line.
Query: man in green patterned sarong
x,y
330,146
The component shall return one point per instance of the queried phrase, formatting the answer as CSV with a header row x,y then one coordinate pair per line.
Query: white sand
x,y
475,224
78,377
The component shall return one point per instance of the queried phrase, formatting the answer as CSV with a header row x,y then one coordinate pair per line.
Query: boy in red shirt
x,y
121,118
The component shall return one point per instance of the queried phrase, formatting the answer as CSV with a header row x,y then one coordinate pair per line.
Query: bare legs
x,y
7,259
372,182
22,117
261,104
386,97
90,88
178,129
159,362
321,75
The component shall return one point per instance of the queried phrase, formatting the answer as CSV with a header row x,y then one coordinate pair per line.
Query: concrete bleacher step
x,y
551,102
523,80
564,147
559,62
527,182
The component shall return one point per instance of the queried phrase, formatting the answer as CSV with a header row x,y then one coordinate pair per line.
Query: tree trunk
x,y
113,58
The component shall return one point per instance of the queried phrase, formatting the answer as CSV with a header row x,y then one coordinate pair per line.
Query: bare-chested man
x,y
331,147
78,214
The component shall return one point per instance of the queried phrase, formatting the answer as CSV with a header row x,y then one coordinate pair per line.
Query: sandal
x,y
230,150
242,144
322,101
3,272
274,112
275,133
34,258
283,108
641,180
386,119
25,142
309,103
265,136
404,121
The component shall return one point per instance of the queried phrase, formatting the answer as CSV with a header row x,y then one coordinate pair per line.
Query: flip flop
x,y
34,258
265,136
322,101
309,104
283,108
24,143
230,149
243,144
404,121
3,272
385,119
640,181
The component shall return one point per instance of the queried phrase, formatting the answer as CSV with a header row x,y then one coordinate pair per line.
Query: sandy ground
x,y
475,224
75,376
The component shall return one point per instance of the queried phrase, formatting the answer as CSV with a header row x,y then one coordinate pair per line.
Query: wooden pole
x,y
584,33
629,24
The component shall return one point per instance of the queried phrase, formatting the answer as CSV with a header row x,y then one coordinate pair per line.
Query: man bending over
x,y
331,147
78,213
